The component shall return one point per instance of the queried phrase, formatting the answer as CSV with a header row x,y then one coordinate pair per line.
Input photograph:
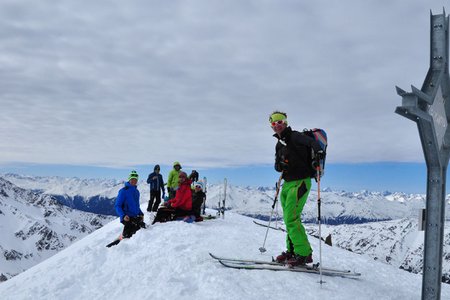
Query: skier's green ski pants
x,y
293,198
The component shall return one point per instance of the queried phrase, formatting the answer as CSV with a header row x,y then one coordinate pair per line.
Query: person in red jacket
x,y
180,206
182,203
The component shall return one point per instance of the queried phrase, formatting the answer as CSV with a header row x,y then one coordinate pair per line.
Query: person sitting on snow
x,y
181,205
198,197
128,208
183,198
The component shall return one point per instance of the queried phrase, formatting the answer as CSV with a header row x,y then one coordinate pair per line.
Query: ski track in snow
x,y
171,261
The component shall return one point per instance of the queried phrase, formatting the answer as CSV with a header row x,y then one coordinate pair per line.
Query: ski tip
x,y
227,265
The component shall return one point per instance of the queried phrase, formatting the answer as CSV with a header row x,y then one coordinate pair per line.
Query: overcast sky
x,y
121,83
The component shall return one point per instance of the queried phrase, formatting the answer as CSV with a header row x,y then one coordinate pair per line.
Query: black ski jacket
x,y
197,202
293,154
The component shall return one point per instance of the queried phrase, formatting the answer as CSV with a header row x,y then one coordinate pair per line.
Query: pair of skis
x,y
249,264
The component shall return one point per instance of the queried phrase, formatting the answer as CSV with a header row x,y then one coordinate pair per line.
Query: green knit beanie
x,y
134,175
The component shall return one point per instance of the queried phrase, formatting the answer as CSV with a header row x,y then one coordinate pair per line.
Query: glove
x,y
281,166
284,166
315,164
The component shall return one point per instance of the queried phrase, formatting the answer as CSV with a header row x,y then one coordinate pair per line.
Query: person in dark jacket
x,y
194,176
198,197
293,158
127,207
156,187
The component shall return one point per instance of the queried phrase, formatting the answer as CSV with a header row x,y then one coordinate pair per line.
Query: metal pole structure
x,y
429,107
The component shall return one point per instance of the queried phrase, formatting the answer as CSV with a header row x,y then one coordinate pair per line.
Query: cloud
x,y
119,83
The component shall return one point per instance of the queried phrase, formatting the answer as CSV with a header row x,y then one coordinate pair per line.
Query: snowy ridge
x,y
35,226
171,261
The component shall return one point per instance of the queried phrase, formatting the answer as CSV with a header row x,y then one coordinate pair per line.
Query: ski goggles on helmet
x,y
279,122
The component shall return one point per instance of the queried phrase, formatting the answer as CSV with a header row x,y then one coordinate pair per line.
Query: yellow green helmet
x,y
278,116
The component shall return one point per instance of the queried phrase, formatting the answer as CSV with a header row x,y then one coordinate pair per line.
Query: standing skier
x,y
293,159
156,186
172,180
127,206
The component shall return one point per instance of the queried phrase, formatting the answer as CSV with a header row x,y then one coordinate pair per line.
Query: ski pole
x,y
318,218
262,249
204,200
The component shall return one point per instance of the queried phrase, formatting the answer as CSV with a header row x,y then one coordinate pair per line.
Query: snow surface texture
x,y
171,261
34,227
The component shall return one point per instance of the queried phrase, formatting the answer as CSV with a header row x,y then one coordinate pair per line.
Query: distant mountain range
x,y
34,226
89,195
382,225
338,207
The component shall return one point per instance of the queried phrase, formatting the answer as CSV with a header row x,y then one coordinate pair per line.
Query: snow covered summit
x,y
171,261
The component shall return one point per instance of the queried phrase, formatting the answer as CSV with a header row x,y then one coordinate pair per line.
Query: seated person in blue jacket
x,y
127,207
